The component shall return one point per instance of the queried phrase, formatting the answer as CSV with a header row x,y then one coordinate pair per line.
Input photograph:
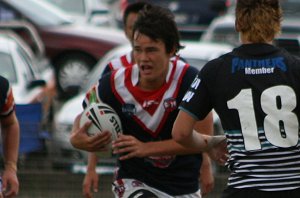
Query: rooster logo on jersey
x,y
170,104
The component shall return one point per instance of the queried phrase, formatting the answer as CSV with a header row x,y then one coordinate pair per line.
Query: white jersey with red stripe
x,y
123,61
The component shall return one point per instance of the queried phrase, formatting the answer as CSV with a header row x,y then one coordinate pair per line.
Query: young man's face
x,y
152,59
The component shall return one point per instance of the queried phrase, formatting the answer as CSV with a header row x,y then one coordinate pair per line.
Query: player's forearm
x,y
92,161
10,140
196,141
167,147
206,162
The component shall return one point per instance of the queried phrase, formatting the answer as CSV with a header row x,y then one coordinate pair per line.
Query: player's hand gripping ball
x,y
103,117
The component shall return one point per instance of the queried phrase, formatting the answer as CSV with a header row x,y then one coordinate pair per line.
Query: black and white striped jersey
x,y
255,89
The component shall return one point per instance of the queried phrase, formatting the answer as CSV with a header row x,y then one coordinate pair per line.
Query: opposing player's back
x,y
256,100
255,90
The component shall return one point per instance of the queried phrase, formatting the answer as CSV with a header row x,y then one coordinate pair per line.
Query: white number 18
x,y
280,124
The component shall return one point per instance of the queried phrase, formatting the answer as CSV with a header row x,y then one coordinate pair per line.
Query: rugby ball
x,y
103,117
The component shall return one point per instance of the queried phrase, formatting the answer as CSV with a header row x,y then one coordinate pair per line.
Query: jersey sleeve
x,y
197,100
107,69
7,98
93,95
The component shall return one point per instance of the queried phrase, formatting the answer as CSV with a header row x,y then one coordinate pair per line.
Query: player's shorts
x,y
250,193
130,188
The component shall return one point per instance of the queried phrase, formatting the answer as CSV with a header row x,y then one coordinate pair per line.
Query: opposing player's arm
x,y
184,134
170,147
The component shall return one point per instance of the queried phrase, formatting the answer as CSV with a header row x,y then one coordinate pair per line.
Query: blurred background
x,y
52,51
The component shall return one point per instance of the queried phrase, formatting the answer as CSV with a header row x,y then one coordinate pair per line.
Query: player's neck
x,y
246,41
149,85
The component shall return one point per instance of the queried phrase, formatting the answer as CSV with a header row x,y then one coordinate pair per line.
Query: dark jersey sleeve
x,y
198,99
106,70
96,90
7,104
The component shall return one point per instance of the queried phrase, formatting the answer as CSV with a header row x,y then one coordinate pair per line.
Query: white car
x,y
30,85
64,154
95,12
18,67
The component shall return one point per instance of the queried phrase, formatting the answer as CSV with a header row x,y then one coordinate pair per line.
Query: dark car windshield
x,y
41,12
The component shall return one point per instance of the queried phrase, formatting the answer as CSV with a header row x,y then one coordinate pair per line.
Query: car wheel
x,y
71,73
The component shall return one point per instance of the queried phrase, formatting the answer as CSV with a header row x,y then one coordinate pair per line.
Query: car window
x,y
7,67
41,12
7,14
74,6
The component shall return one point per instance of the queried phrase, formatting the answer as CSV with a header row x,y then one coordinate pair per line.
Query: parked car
x,y
16,67
86,11
72,48
222,29
192,16
30,86
64,154
291,44
37,60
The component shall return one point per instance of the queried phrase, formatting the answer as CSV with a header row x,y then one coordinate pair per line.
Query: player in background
x,y
145,97
255,89
10,133
129,17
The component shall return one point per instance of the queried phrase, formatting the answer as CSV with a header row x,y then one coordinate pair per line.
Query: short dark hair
x,y
133,8
158,23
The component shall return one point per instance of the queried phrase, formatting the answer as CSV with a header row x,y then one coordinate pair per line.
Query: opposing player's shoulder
x,y
216,64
